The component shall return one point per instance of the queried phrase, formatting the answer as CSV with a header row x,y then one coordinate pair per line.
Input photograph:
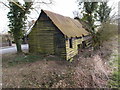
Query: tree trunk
x,y
18,45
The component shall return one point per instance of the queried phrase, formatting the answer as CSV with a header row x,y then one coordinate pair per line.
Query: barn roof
x,y
68,26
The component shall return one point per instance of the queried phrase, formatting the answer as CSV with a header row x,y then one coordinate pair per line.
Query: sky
x,y
63,7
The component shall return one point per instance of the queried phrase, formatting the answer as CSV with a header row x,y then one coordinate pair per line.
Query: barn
x,y
54,34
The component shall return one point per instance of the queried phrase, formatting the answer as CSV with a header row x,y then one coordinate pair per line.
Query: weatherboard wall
x,y
71,52
41,38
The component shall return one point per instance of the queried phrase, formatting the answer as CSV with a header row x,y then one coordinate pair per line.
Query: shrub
x,y
107,31
104,33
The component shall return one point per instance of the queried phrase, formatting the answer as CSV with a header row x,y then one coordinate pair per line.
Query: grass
x,y
114,81
16,59
25,59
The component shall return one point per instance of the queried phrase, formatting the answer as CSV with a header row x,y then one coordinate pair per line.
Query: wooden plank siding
x,y
41,38
71,52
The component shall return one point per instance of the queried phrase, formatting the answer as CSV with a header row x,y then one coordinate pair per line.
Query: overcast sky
x,y
63,7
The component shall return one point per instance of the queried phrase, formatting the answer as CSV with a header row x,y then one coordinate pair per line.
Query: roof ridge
x,y
57,14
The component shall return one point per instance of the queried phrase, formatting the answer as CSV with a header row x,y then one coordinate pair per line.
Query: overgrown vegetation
x,y
115,78
106,32
95,12
100,12
114,81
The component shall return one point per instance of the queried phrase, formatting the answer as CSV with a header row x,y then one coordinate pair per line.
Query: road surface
x,y
12,49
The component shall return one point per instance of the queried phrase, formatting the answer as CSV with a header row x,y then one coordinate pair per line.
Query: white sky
x,y
63,7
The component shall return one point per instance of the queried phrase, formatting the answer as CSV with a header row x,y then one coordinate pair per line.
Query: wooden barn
x,y
54,34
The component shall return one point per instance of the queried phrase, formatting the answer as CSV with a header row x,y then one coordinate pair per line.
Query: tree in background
x,y
103,12
89,17
89,12
17,17
106,29
93,12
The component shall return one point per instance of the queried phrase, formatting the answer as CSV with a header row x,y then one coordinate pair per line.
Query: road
x,y
12,49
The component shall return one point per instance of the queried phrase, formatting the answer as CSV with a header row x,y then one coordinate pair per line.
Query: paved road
x,y
12,49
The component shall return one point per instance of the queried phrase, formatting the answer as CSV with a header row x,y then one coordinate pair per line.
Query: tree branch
x,y
5,4
16,4
42,2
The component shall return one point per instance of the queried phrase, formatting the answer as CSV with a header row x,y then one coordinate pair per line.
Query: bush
x,y
104,33
107,31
